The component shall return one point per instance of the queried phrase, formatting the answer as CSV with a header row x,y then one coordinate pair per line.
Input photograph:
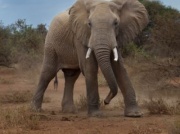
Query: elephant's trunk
x,y
103,57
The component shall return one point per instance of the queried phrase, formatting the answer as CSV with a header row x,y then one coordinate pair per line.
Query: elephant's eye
x,y
115,23
89,23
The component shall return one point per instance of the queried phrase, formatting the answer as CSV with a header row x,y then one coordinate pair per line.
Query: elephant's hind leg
x,y
48,72
71,76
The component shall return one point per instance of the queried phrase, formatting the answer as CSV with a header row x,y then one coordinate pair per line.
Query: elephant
x,y
87,36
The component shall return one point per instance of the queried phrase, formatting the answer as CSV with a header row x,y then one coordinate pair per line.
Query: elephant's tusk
x,y
88,53
115,54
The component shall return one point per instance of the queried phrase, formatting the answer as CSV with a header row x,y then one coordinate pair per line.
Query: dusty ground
x,y
55,122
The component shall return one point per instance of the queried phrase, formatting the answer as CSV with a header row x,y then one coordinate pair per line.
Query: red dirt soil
x,y
55,122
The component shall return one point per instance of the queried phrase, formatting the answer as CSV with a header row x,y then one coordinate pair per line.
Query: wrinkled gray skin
x,y
101,26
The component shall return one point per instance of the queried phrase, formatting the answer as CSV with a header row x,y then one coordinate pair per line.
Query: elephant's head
x,y
103,26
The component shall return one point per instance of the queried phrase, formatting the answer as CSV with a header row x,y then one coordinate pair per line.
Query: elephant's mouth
x,y
114,52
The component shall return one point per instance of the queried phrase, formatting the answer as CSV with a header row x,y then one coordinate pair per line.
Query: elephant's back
x,y
58,28
60,19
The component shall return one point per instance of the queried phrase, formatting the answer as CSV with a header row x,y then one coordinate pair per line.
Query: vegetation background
x,y
20,43
152,58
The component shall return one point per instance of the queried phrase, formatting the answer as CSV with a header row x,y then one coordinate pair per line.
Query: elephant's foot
x,y
93,111
133,111
97,113
69,108
35,107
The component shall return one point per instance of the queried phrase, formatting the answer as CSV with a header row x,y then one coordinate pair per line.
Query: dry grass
x,y
4,81
175,128
165,89
81,103
18,117
160,106
144,130
16,97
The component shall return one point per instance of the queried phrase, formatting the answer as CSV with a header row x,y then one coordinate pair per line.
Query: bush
x,y
20,42
160,106
164,30
134,51
4,47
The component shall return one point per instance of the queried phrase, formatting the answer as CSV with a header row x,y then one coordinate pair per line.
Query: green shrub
x,y
133,50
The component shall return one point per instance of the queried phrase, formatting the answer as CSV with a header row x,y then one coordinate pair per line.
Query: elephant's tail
x,y
56,82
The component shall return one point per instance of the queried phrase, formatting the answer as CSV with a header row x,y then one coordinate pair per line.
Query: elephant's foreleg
x,y
48,72
71,76
125,85
92,95
89,68
91,71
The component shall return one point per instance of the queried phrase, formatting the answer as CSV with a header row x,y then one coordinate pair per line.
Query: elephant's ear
x,y
133,19
79,14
